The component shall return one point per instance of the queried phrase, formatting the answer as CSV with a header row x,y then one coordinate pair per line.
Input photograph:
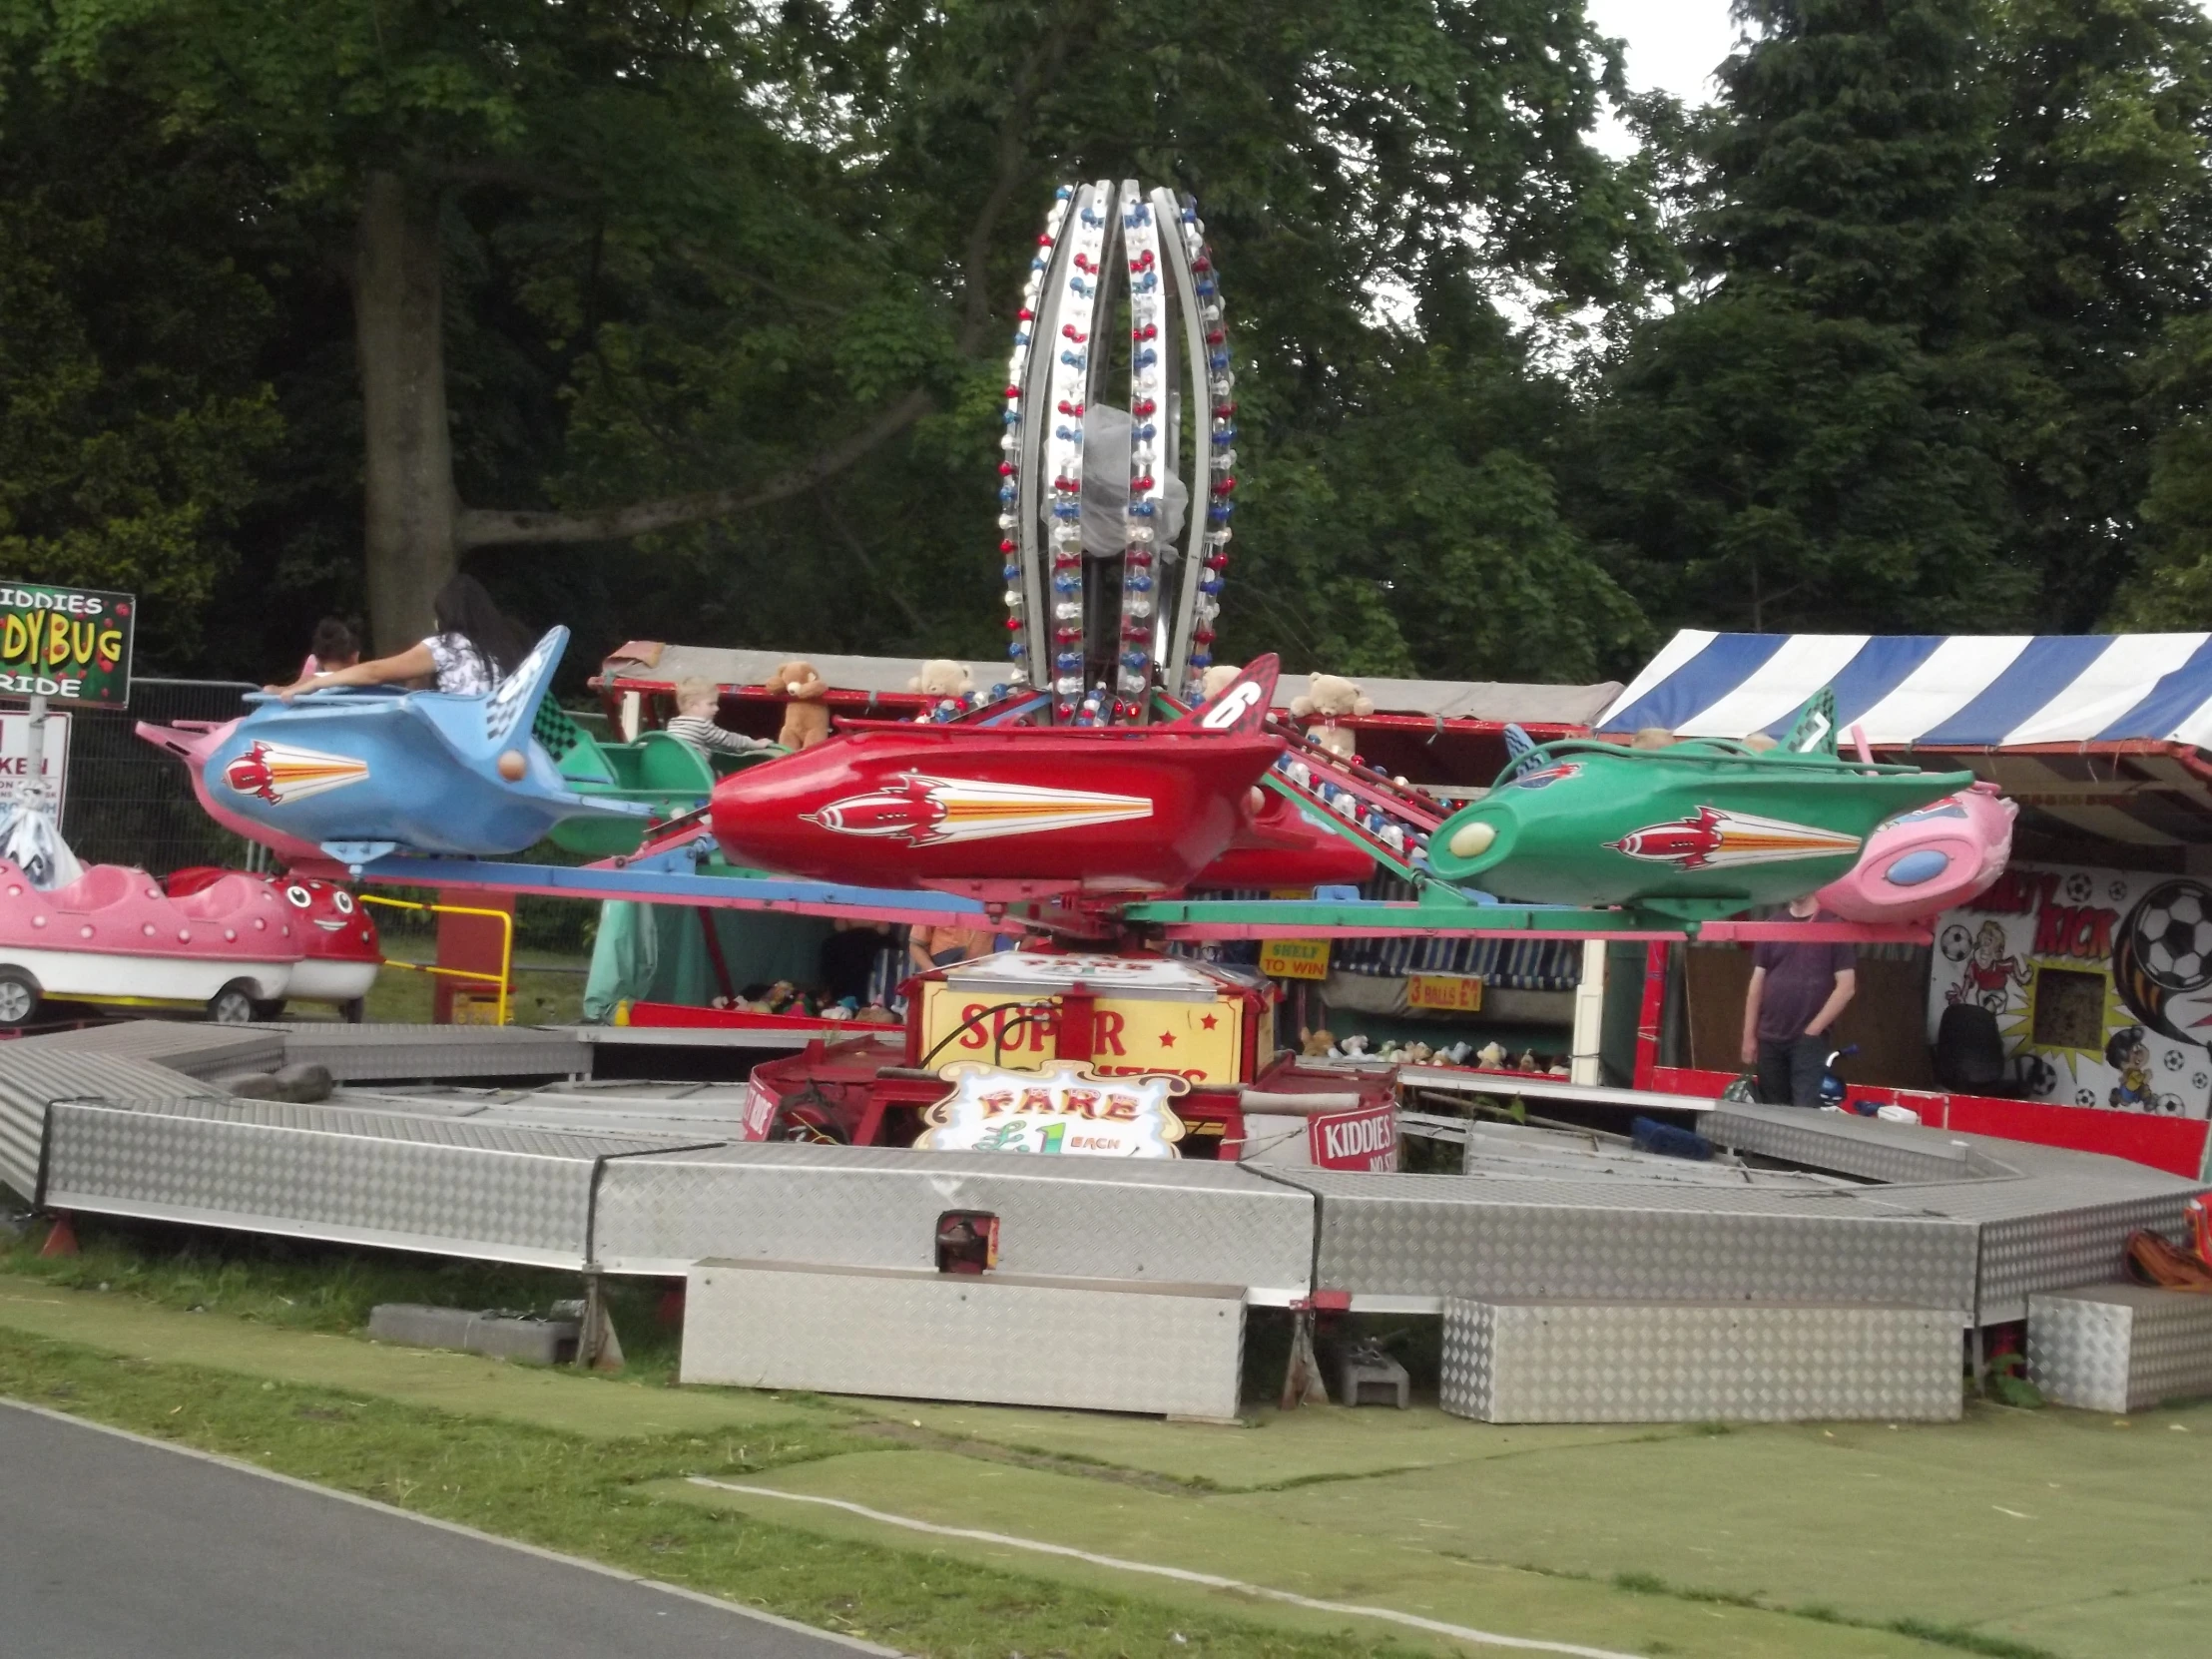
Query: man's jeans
x,y
1790,1073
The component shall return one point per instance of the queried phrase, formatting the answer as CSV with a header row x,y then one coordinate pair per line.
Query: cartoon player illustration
x,y
1989,974
2128,1053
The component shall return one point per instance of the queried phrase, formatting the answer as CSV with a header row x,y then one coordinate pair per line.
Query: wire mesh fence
x,y
125,802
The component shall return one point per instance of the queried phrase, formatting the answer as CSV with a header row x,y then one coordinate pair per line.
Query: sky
x,y
1672,44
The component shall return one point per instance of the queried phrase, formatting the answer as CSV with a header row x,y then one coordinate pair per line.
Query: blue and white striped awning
x,y
1930,690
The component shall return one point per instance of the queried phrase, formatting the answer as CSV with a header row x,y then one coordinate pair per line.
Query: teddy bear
x,y
805,715
947,684
1217,680
1327,700
1314,1045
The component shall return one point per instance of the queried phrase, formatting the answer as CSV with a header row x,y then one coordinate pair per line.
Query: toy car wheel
x,y
354,1010
231,1005
270,1010
19,997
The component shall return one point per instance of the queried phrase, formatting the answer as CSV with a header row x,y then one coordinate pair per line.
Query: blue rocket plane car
x,y
357,773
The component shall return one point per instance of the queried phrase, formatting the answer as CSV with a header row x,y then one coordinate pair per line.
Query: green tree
x,y
1806,440
2102,168
730,279
133,410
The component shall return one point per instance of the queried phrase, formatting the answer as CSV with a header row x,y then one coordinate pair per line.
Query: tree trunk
x,y
399,334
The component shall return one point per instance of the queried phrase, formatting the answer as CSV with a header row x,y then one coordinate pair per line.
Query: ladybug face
x,y
342,924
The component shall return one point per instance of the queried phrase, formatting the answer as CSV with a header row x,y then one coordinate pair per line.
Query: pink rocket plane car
x,y
344,950
113,937
1917,863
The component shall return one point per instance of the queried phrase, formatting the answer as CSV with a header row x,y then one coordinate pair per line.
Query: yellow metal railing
x,y
506,945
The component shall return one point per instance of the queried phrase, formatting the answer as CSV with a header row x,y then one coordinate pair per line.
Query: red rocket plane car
x,y
1004,808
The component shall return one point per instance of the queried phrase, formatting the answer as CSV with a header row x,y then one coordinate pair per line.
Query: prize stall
x,y
2066,1002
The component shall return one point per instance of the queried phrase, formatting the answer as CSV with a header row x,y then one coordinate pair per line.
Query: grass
x,y
580,1465
304,1286
1957,1637
541,998
582,1497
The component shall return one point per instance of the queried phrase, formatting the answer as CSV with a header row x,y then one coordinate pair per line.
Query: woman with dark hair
x,y
474,649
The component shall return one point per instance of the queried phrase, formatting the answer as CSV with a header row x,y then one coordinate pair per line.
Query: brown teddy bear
x,y
805,715
1314,1045
1327,700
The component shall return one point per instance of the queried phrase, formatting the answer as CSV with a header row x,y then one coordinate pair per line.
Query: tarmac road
x,y
120,1548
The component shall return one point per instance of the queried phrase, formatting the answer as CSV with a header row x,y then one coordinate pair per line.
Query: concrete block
x,y
499,1336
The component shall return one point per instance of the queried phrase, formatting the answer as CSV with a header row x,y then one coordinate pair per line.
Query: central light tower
x,y
1114,520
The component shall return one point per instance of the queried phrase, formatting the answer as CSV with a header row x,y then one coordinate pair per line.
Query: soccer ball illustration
x,y
2039,1076
1957,943
2079,886
2162,960
2175,933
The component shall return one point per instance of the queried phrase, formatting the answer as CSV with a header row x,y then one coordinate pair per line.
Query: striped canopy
x,y
1931,689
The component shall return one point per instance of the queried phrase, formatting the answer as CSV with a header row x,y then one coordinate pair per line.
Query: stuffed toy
x,y
1314,1045
942,677
1327,700
1353,1048
805,715
947,684
1490,1057
1217,680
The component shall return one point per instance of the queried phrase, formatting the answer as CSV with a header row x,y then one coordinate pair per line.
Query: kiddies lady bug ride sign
x,y
72,645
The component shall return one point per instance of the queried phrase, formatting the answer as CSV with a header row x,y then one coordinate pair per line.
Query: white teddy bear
x,y
1328,699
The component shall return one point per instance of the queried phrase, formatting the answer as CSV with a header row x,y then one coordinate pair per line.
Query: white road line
x,y
1484,1638
599,1567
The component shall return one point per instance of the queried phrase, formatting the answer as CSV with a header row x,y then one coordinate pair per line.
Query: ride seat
x,y
102,888
224,896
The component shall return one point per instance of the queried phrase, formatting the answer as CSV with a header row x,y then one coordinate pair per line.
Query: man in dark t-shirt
x,y
1797,993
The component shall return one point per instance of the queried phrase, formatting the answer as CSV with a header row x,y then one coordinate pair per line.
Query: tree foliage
x,y
1904,332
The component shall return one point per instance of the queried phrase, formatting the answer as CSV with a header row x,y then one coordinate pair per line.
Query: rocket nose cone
x,y
1471,840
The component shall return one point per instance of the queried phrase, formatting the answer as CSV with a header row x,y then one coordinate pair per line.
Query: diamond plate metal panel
x,y
877,1206
1475,1238
414,1183
1171,1350
1535,1361
31,1078
192,1047
367,1053
2119,1347
2058,1247
1867,1148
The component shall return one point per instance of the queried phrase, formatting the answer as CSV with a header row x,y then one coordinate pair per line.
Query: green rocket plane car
x,y
1699,828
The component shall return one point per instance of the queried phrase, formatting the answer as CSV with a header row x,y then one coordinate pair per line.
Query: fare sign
x,y
1067,1111
72,645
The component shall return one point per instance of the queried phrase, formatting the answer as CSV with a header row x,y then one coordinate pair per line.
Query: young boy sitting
x,y
694,723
